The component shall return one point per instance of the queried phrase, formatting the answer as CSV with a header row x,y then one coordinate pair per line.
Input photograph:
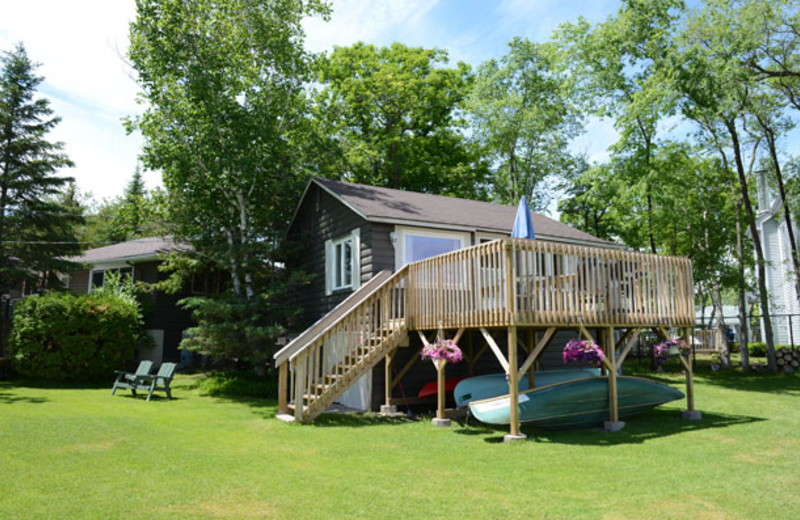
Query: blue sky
x,y
81,46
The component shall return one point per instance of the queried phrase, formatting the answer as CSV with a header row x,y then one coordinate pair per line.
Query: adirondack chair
x,y
158,382
128,380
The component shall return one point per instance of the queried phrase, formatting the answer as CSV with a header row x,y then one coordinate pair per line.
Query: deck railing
x,y
534,282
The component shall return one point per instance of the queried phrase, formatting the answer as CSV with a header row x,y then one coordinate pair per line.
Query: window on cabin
x,y
420,247
342,263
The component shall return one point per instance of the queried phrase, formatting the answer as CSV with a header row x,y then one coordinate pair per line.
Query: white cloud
x,y
372,21
80,45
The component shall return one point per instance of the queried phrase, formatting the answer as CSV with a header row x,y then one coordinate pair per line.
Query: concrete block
x,y
613,426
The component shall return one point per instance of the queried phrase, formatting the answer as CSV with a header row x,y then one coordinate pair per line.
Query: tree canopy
x,y
391,117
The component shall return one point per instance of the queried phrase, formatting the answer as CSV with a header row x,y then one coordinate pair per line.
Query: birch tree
x,y
222,93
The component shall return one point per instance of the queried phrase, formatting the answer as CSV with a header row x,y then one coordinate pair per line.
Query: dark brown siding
x,y
321,217
382,248
79,281
162,311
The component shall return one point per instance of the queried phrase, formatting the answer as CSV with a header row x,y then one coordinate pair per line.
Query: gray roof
x,y
148,248
377,204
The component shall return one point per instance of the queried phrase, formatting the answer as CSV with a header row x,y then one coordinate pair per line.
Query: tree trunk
x,y
743,326
770,135
760,270
244,232
725,354
234,264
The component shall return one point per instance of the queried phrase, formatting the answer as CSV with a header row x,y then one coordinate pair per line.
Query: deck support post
x,y
388,408
299,386
283,381
440,419
531,336
513,387
613,424
690,413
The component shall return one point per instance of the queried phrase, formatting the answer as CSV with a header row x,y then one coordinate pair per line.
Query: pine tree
x,y
36,232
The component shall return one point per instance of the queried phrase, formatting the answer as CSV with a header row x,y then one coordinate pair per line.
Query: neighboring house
x,y
349,232
164,320
773,231
730,315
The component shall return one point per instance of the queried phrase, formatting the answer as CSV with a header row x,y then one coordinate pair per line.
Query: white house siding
x,y
770,241
789,325
779,281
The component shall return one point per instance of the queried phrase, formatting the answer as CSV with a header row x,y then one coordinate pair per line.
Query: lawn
x,y
79,453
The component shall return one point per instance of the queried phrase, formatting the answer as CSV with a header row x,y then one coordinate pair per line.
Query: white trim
x,y
328,267
482,237
356,233
403,232
354,237
454,227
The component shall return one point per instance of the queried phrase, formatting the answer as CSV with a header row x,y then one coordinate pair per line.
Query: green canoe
x,y
580,403
494,385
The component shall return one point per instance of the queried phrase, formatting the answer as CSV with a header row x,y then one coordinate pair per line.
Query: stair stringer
x,y
367,363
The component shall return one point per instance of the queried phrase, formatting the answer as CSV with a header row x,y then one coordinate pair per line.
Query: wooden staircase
x,y
321,364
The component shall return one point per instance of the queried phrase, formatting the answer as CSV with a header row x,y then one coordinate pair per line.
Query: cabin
x,y
392,270
139,259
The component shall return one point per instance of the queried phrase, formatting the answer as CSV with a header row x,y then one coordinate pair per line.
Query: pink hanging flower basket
x,y
583,351
443,350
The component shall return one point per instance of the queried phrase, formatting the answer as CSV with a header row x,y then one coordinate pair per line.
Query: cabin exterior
x,y
165,321
395,269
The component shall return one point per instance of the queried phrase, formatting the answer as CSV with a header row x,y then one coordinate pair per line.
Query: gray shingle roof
x,y
386,204
140,249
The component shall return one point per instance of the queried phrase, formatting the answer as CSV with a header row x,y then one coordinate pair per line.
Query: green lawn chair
x,y
158,382
128,380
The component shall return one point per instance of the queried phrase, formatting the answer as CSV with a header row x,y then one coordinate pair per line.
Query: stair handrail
x,y
308,336
375,284
352,308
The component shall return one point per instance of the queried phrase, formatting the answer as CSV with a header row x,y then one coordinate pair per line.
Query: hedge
x,y
70,337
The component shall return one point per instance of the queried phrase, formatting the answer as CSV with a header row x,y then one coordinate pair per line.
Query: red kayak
x,y
432,388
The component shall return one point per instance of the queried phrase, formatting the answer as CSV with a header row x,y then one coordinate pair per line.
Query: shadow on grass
x,y
654,424
357,420
10,398
751,382
733,379
57,385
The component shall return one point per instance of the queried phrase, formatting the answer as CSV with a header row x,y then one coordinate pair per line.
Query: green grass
x,y
80,453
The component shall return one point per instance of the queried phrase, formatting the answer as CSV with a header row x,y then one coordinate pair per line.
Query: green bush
x,y
74,337
759,349
239,384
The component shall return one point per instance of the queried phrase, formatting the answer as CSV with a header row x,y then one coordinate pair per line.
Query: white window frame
x,y
331,264
116,266
464,239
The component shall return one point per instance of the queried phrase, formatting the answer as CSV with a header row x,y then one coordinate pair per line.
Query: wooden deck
x,y
536,283
509,283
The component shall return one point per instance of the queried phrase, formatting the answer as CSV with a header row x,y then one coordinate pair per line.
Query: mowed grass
x,y
80,453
